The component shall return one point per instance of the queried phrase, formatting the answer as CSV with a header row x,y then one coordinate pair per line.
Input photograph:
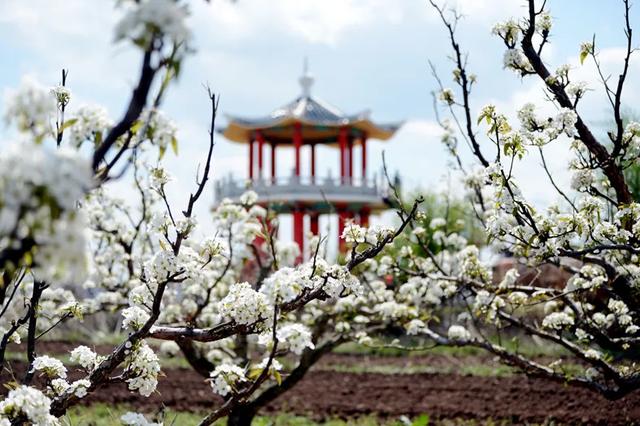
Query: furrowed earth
x,y
343,386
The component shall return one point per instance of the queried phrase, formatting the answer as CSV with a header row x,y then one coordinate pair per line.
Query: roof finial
x,y
306,80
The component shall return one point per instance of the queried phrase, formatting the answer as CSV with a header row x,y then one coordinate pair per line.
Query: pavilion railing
x,y
299,185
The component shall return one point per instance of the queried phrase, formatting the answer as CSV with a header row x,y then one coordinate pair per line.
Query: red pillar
x,y
364,217
297,142
298,228
313,163
342,141
314,223
350,160
364,158
342,218
259,239
273,162
260,140
251,158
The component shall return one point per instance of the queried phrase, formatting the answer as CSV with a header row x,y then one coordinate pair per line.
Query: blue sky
x,y
364,54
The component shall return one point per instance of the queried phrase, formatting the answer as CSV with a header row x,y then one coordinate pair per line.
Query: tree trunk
x,y
195,358
241,416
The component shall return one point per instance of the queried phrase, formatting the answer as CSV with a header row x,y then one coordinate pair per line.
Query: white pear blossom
x,y
249,198
446,96
296,336
510,278
515,59
544,22
508,30
86,357
79,388
225,378
340,279
287,252
39,192
275,364
582,179
59,386
437,222
557,320
244,305
592,354
161,266
158,178
51,367
30,402
136,419
149,18
134,317
419,231
91,121
30,108
156,127
354,233
62,94
285,284
415,327
586,48
458,332
143,367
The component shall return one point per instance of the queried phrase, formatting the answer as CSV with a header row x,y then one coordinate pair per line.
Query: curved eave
x,y
241,130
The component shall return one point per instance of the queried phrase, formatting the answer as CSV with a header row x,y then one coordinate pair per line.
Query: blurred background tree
x,y
632,173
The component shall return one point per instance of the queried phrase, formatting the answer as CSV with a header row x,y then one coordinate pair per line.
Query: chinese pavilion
x,y
304,124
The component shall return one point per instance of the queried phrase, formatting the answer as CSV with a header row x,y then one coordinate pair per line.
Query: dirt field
x,y
325,393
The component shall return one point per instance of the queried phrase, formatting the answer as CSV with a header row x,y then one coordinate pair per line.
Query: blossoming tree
x,y
236,305
70,248
242,280
593,232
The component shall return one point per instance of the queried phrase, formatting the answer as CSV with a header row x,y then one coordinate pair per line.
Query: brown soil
x,y
324,393
59,347
432,360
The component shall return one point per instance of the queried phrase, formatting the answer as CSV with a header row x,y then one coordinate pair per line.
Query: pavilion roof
x,y
321,121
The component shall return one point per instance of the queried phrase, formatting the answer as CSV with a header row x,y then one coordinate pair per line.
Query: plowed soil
x,y
324,393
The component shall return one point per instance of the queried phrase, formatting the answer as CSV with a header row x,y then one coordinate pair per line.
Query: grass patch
x,y
525,347
106,415
480,370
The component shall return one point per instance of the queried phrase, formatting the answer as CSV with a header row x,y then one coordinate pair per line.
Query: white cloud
x,y
34,22
416,153
490,11
314,21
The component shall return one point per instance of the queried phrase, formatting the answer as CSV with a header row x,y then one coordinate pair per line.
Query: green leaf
x,y
583,56
174,145
421,420
254,373
161,151
277,376
177,65
98,140
10,385
484,116
69,123
27,259
135,128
